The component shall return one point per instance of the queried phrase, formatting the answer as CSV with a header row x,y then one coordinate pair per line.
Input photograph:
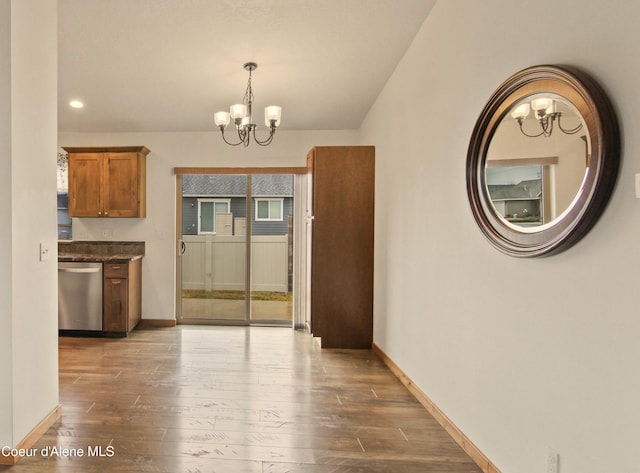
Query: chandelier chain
x,y
248,94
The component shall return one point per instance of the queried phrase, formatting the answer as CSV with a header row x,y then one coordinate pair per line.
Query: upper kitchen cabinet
x,y
107,181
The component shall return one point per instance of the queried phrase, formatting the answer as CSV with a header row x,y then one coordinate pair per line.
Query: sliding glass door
x,y
236,240
271,248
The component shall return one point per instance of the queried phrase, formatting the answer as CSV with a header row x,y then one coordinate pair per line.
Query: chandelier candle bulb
x,y
521,111
238,110
272,113
221,118
541,104
551,109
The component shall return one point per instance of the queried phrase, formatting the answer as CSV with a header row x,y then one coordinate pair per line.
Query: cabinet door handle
x,y
115,281
115,267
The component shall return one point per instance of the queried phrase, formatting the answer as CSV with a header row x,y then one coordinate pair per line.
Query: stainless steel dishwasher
x,y
79,296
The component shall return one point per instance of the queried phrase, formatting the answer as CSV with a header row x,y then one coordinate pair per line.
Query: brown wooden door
x,y
342,245
85,183
116,299
121,196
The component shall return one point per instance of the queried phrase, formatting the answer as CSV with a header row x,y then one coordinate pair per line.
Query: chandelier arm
x,y
546,123
527,134
266,141
228,142
244,133
571,131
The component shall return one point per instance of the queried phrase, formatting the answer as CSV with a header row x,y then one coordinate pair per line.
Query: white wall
x,y
6,397
29,320
522,354
158,229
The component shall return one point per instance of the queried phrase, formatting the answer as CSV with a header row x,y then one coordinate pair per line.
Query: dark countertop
x,y
97,258
100,251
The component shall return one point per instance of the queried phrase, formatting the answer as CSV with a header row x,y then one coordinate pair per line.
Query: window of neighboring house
x,y
207,211
64,221
269,210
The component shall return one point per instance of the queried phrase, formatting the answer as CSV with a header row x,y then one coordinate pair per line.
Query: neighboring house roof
x,y
229,185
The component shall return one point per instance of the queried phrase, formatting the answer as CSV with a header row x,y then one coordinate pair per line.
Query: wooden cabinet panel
x,y
85,174
122,297
121,190
116,307
342,245
116,270
107,182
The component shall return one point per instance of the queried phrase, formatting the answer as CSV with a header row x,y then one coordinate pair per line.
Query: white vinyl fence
x,y
219,263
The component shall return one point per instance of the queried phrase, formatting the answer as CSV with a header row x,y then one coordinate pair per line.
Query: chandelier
x,y
242,118
544,110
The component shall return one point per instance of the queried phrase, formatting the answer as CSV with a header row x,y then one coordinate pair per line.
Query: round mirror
x,y
542,161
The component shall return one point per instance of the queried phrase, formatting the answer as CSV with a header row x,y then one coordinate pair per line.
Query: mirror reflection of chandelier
x,y
242,119
544,110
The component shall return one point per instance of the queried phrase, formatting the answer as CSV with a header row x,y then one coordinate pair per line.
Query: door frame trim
x,y
241,170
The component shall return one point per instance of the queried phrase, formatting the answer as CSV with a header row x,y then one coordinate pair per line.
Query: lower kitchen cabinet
x,y
121,297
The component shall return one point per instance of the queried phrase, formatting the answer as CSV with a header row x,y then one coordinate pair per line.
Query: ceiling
x,y
168,65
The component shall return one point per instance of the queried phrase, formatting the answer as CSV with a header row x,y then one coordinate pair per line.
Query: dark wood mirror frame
x,y
601,170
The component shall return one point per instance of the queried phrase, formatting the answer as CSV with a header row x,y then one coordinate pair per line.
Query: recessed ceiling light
x,y
76,104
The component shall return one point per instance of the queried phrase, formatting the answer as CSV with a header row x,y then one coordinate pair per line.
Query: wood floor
x,y
195,399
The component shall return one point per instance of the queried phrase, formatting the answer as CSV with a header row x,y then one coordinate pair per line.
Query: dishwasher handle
x,y
79,270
